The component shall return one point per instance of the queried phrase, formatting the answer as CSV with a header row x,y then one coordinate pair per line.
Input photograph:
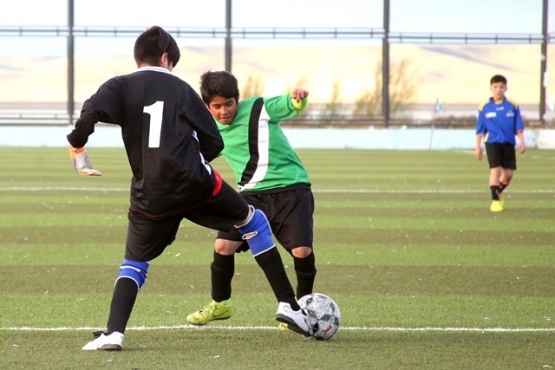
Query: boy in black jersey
x,y
170,138
270,176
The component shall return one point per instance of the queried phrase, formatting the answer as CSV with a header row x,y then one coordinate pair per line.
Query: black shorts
x,y
290,213
148,237
501,155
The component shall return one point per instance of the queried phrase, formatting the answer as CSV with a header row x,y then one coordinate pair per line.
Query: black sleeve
x,y
103,106
201,120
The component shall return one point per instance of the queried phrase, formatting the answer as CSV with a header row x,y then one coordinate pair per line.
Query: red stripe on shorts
x,y
217,184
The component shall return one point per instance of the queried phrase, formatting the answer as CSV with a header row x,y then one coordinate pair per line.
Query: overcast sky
x,y
422,16
437,16
489,16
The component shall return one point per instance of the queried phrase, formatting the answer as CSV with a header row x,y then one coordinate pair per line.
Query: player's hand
x,y
299,94
478,152
522,147
298,98
81,162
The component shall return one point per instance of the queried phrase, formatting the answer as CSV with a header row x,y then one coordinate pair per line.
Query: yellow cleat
x,y
496,206
284,326
501,200
213,311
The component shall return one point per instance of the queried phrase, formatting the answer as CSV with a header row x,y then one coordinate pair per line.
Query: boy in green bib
x,y
270,176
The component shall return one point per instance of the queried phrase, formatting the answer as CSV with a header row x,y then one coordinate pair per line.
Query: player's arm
x,y
521,143
102,106
283,107
78,137
520,130
480,131
478,148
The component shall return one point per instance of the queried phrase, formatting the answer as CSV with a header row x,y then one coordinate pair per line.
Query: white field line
x,y
362,328
332,191
252,327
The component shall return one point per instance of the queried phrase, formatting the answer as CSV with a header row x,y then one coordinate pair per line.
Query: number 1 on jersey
x,y
155,128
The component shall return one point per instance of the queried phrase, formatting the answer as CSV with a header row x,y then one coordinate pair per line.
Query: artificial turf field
x,y
425,275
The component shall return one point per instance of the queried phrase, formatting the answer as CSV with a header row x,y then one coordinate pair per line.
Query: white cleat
x,y
295,320
103,342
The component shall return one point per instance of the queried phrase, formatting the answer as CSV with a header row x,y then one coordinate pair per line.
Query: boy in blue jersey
x,y
499,120
270,175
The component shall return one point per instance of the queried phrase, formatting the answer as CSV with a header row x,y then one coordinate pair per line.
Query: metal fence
x,y
229,33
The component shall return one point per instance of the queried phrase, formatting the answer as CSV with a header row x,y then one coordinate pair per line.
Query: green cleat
x,y
214,311
496,206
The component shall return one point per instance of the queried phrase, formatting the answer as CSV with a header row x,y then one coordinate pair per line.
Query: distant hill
x,y
452,73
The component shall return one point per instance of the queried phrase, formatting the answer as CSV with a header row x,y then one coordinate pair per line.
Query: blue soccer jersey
x,y
499,122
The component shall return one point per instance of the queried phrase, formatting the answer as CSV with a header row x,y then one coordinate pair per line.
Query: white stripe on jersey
x,y
263,150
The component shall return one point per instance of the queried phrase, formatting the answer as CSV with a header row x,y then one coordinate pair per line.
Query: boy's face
x,y
223,109
498,90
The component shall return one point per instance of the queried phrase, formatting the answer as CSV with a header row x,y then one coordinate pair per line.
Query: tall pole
x,y
70,63
385,64
228,35
543,74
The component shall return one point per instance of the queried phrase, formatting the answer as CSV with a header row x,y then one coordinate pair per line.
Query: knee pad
x,y
257,233
135,271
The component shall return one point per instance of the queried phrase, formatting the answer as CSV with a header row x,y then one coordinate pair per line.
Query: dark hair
x,y
220,83
154,42
498,78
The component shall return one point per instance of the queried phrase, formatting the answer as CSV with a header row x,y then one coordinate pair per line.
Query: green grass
x,y
425,276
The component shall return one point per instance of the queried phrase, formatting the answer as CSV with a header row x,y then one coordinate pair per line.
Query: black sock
x,y
223,268
306,273
272,265
502,187
123,300
494,192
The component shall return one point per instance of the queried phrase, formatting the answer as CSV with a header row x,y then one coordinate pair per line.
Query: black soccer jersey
x,y
168,133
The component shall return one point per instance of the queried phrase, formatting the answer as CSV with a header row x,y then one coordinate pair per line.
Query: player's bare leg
x,y
504,181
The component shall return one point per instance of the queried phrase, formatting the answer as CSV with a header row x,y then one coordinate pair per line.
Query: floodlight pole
x,y
70,63
385,64
228,49
543,74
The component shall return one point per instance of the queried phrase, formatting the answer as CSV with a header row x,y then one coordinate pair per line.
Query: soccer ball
x,y
323,315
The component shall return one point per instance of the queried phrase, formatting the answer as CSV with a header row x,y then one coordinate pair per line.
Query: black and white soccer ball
x,y
323,314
